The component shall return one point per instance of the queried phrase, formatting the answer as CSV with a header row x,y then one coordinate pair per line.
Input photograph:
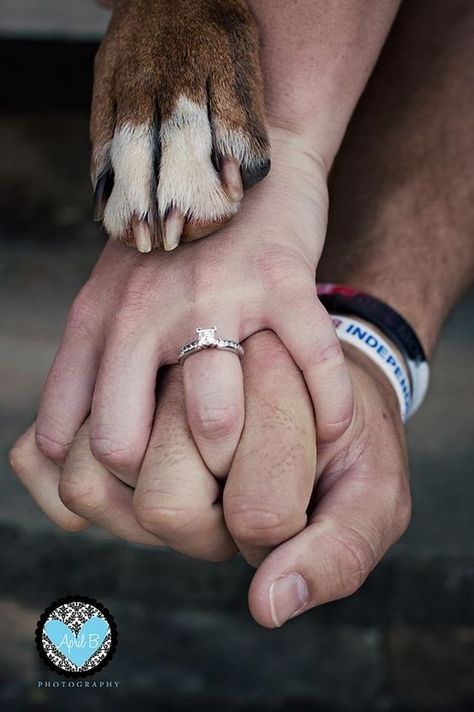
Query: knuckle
x,y
82,496
136,294
355,559
134,302
23,456
405,513
205,281
53,447
110,453
161,520
326,356
277,268
17,457
215,422
398,506
72,524
82,313
331,431
249,524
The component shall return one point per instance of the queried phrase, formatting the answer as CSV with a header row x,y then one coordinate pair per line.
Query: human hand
x,y
361,505
177,501
326,533
135,312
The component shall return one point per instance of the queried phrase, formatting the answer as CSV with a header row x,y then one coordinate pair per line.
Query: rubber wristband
x,y
381,352
347,301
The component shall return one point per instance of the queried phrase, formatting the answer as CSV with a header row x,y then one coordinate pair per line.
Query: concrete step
x,y
48,18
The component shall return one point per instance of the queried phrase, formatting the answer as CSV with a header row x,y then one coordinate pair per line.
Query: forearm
x,y
402,192
422,275
317,56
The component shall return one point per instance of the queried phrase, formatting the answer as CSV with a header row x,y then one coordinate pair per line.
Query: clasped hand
x,y
222,455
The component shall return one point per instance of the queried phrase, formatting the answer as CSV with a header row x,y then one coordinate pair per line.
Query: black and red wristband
x,y
339,299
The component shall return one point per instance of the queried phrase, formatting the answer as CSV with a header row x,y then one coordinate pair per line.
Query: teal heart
x,y
77,648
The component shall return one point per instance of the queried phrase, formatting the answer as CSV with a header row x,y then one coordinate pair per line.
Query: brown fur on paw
x,y
177,121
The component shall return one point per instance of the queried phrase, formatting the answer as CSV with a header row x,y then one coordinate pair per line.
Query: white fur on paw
x,y
132,154
188,180
230,142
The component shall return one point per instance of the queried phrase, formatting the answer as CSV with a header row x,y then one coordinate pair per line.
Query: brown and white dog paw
x,y
177,124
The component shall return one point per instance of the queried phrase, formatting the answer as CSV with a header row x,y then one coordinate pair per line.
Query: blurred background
x,y
186,639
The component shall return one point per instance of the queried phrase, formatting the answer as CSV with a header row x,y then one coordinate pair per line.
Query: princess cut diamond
x,y
206,337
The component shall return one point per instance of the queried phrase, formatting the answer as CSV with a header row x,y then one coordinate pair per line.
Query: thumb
x,y
355,523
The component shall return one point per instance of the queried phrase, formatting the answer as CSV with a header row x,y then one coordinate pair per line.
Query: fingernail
x,y
288,595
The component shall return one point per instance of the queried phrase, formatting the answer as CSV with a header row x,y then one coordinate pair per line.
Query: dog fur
x,y
177,121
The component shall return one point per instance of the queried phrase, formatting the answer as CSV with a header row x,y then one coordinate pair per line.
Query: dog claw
x,y
253,175
102,193
141,232
231,179
173,225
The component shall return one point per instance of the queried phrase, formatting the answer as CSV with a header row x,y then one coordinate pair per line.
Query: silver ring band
x,y
207,339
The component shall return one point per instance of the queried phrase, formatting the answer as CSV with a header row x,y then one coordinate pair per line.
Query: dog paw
x,y
177,123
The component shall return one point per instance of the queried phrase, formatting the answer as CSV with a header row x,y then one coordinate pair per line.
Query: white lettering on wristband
x,y
381,352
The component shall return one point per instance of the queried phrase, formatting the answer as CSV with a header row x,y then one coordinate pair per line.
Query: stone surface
x,y
432,668
50,18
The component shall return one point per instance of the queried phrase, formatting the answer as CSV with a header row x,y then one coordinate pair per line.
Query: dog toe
x,y
182,176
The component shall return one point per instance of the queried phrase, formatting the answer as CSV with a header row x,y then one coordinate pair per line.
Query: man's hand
x,y
361,506
326,524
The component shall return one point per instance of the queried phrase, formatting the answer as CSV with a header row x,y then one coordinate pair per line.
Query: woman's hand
x,y
135,313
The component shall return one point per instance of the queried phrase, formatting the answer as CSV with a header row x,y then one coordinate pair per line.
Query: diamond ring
x,y
207,339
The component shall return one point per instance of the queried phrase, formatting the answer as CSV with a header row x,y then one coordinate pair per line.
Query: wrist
x,y
290,139
407,290
366,339
416,303
384,335
366,368
305,136
293,199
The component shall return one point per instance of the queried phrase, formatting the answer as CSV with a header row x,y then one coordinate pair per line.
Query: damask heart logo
x,y
76,636
77,648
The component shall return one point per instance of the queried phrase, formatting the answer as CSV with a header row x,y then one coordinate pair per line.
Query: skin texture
x,y
361,502
360,506
417,157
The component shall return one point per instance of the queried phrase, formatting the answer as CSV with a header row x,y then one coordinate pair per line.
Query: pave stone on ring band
x,y
207,339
